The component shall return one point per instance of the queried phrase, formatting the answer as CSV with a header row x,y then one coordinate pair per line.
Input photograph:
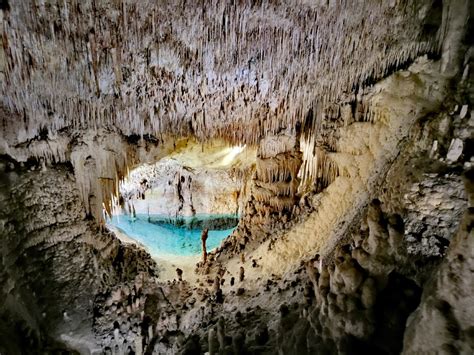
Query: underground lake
x,y
166,236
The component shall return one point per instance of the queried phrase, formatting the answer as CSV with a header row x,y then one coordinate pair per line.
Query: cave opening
x,y
165,205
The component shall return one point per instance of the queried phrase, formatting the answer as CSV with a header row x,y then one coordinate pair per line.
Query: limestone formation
x,y
203,243
335,136
443,321
179,272
217,290
213,342
221,334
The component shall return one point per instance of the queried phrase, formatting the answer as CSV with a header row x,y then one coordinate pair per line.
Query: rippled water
x,y
167,238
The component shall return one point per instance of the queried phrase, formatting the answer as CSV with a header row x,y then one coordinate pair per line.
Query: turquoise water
x,y
167,238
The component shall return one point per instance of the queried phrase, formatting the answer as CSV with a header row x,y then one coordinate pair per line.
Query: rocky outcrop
x,y
443,321
54,260
168,188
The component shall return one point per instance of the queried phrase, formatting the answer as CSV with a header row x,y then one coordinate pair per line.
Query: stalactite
x,y
235,71
242,40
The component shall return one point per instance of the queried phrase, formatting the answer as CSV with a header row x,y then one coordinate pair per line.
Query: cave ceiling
x,y
237,70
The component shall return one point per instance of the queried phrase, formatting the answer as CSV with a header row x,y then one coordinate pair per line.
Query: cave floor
x,y
167,263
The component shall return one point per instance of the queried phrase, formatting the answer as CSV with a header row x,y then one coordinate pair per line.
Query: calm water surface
x,y
166,238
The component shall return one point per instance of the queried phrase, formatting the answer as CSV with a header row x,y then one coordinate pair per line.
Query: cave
x,y
236,177
165,206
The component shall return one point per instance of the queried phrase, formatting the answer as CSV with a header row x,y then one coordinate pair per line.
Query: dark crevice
x,y
433,20
4,5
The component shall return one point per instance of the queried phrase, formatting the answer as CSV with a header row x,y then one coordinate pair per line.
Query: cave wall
x,y
386,287
350,172
172,189
54,261
443,320
188,193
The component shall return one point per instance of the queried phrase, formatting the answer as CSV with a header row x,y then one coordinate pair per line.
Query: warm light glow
x,y
232,154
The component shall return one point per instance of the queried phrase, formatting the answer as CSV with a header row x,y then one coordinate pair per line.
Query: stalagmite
x,y
395,232
238,342
179,272
203,244
368,293
221,334
217,290
312,274
213,342
376,225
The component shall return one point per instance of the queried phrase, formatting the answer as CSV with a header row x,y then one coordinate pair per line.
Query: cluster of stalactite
x,y
274,192
209,69
228,69
318,170
276,178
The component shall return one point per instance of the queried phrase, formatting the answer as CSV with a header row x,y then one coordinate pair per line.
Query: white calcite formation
x,y
195,179
220,69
